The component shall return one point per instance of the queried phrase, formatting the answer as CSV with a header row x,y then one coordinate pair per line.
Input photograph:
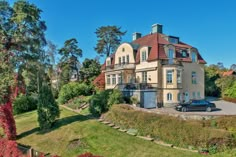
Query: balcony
x,y
171,62
121,66
137,86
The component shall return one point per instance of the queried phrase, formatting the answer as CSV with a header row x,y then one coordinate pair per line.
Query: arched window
x,y
194,57
169,97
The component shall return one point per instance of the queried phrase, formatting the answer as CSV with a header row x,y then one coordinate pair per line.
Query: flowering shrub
x,y
9,148
7,121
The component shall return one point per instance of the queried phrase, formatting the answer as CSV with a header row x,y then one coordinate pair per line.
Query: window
x,y
198,95
144,77
123,59
194,57
194,77
113,79
127,59
169,97
169,76
144,57
179,96
108,63
171,56
108,79
179,80
119,79
173,40
119,60
194,95
123,49
184,53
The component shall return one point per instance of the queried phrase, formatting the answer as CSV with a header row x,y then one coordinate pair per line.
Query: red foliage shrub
x,y
9,148
99,82
7,120
88,155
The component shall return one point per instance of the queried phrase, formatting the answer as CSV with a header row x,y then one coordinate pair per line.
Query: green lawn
x,y
95,137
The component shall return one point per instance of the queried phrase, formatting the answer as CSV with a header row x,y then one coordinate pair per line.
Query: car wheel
x,y
184,109
208,109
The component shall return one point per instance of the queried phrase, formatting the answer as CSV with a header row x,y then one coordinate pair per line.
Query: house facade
x,y
158,69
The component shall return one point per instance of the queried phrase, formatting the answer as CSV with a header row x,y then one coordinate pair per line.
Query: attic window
x,y
194,57
123,49
174,40
108,63
184,53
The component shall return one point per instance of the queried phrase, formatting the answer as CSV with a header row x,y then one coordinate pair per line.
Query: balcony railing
x,y
121,66
171,62
136,86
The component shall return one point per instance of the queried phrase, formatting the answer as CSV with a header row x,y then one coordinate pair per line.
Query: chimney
x,y
136,35
156,28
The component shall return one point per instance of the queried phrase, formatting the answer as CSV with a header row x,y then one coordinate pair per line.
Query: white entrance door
x,y
186,97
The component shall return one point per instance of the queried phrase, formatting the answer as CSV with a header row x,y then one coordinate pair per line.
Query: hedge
x,y
171,129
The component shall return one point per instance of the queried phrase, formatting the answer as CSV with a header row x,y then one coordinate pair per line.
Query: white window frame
x,y
194,57
169,97
113,79
108,79
171,56
127,59
144,56
144,76
169,78
194,77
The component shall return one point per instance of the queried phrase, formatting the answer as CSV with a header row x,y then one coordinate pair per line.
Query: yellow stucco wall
x,y
128,50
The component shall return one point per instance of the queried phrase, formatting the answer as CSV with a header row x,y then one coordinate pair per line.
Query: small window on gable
x,y
123,49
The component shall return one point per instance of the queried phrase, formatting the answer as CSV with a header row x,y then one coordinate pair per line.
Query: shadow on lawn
x,y
59,123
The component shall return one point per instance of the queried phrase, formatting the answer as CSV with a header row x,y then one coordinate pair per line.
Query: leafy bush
x,y
98,102
134,100
73,89
171,129
24,103
116,97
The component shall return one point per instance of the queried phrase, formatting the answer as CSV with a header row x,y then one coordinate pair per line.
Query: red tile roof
x,y
229,73
156,42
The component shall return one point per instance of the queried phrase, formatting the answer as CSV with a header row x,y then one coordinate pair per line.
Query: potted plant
x,y
134,100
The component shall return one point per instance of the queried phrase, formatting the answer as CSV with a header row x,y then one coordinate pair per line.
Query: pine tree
x,y
48,109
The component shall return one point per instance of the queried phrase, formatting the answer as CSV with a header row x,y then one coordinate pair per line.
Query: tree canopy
x,y
109,37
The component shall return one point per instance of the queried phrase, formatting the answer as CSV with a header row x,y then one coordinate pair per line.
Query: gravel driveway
x,y
223,108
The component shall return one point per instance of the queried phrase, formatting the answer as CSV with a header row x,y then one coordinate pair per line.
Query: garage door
x,y
150,100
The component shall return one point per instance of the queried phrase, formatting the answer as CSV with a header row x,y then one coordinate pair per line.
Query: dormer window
x,y
173,40
170,56
123,49
108,62
194,57
144,56
184,53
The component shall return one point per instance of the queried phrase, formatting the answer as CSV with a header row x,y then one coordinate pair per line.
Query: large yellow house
x,y
158,69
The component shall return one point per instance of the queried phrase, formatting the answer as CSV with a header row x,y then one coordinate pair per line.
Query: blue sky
x,y
207,25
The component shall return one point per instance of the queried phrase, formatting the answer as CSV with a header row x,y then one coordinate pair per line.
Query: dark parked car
x,y
196,105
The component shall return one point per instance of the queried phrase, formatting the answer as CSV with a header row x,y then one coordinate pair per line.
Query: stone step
x,y
122,130
111,125
116,127
146,138
105,122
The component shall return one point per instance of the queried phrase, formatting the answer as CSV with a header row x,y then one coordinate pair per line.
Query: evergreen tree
x,y
109,37
48,109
